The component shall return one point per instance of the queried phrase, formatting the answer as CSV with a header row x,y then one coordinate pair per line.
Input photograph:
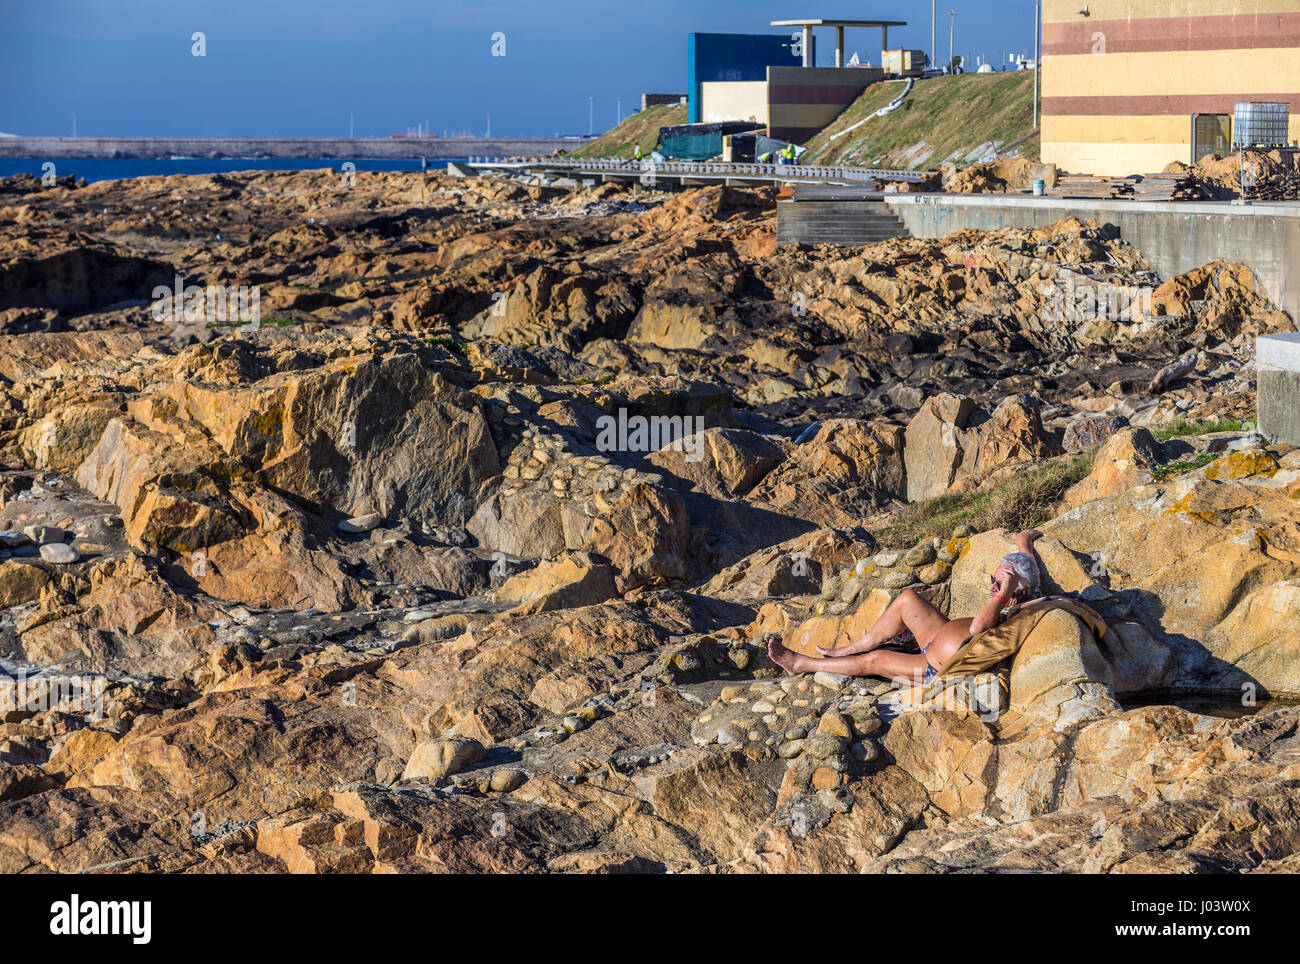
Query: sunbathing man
x,y
1014,581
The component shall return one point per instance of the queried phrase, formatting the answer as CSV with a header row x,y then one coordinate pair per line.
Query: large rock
x,y
933,450
21,582
721,461
361,434
1087,432
949,441
549,308
1092,799
951,754
435,759
848,468
1205,564
835,632
646,536
716,798
354,435
131,620
795,566
484,683
568,582
1012,433
1060,677
161,480
1124,460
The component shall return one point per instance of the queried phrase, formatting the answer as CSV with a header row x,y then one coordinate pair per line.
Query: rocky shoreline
x,y
465,554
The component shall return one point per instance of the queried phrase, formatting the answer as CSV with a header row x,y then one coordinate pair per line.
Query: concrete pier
x,y
1278,387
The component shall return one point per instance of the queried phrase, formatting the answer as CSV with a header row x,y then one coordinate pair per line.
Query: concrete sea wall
x,y
1174,236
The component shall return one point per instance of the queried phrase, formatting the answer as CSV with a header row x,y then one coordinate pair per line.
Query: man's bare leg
x,y
909,610
907,667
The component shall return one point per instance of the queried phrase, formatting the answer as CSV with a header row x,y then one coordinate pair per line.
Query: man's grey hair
x,y
1025,567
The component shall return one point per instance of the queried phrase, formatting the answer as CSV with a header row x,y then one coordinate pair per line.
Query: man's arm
x,y
987,617
1025,542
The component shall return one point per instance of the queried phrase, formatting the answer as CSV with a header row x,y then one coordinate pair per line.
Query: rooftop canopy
x,y
839,25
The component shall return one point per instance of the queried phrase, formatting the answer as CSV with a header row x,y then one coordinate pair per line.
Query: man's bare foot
x,y
789,660
863,645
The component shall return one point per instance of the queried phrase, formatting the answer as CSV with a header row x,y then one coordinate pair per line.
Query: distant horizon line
x,y
294,137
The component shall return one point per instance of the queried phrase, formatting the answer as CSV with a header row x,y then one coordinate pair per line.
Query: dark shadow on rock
x,y
1199,670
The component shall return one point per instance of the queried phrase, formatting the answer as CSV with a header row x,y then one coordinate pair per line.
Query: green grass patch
x,y
1181,426
1166,472
264,323
595,379
639,128
952,115
451,344
1028,499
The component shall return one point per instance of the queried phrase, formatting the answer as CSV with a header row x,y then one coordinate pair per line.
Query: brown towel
x,y
991,647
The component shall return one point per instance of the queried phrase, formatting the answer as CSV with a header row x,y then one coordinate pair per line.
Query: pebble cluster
x,y
592,483
928,563
57,525
821,726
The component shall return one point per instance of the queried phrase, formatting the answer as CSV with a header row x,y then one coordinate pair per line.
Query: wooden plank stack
x,y
1138,187
1082,185
1164,187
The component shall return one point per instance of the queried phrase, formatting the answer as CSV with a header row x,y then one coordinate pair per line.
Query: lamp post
x,y
952,29
1038,32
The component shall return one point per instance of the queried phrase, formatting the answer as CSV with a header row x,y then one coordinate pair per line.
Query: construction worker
x,y
637,153
765,157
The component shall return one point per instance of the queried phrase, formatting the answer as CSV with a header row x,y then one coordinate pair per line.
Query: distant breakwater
x,y
340,148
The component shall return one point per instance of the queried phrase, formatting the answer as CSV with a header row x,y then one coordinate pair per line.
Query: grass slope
x,y
943,118
1028,499
639,128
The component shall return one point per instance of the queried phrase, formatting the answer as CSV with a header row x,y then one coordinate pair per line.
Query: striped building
x,y
1122,79
803,100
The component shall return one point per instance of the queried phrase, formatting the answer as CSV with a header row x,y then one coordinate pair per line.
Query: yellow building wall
x,y
1115,104
1057,11
1259,71
724,100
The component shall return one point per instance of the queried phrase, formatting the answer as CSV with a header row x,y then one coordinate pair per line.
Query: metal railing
x,y
647,168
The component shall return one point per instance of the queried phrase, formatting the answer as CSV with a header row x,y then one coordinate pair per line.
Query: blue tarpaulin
x,y
697,142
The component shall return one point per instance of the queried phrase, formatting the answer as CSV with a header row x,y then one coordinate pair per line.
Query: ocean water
x,y
111,169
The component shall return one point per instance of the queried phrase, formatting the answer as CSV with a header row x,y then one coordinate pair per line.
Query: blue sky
x,y
299,67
